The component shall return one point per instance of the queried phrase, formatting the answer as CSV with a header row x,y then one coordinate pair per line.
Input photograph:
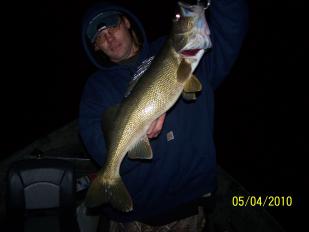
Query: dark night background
x,y
261,117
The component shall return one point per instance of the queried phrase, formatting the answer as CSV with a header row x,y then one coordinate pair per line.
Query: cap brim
x,y
102,21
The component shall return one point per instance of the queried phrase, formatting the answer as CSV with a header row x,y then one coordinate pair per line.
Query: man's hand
x,y
156,127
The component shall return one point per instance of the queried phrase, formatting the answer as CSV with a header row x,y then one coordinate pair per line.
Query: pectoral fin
x,y
192,85
142,150
184,71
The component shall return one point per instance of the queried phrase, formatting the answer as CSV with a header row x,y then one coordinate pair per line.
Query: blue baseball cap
x,y
101,22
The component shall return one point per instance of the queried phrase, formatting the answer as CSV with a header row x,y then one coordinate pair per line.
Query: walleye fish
x,y
168,77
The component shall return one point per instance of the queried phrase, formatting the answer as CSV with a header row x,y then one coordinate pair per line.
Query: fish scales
x,y
156,92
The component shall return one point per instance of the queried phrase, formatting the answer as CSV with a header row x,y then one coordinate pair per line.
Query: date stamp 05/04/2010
x,y
262,201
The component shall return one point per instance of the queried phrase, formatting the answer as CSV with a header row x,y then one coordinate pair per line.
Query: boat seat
x,y
41,196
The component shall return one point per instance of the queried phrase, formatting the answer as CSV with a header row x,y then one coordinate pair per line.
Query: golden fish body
x,y
169,75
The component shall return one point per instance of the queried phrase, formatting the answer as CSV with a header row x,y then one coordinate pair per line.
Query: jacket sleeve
x,y
90,114
228,21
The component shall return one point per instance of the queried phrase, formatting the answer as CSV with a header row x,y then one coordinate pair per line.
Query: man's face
x,y
116,42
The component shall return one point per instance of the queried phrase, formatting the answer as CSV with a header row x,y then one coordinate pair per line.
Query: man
x,y
183,168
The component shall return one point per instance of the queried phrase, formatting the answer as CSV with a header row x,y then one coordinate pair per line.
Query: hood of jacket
x,y
98,58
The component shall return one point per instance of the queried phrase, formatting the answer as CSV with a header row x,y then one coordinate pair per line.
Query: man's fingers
x,y
150,131
159,123
156,127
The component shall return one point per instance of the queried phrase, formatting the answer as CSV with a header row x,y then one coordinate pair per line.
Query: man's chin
x,y
116,59
119,57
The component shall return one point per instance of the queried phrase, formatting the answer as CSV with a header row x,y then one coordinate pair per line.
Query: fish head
x,y
190,31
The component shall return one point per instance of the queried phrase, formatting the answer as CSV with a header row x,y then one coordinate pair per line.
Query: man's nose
x,y
109,36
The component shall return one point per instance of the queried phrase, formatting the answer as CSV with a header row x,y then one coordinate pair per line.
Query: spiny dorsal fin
x,y
192,85
184,71
139,73
142,150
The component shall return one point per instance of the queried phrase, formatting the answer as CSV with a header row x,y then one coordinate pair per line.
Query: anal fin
x,y
142,150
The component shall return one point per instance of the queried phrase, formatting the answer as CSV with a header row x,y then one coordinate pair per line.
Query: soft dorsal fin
x,y
184,71
142,150
192,85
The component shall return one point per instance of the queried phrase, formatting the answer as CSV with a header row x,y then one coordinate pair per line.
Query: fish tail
x,y
111,191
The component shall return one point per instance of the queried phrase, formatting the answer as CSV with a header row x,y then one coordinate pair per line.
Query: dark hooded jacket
x,y
184,168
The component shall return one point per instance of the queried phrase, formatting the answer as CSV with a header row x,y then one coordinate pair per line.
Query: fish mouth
x,y
190,52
